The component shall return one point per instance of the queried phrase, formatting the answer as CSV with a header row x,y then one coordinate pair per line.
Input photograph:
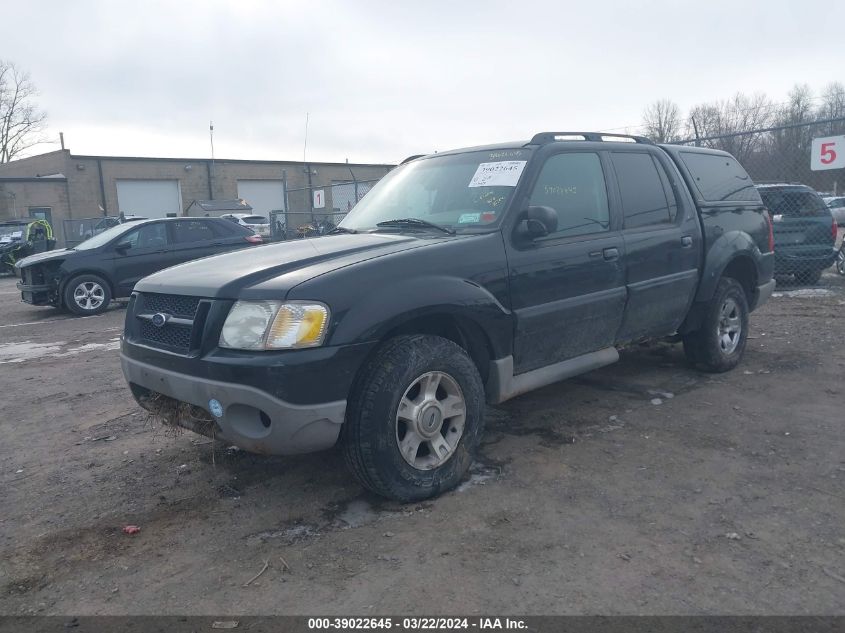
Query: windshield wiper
x,y
416,222
340,229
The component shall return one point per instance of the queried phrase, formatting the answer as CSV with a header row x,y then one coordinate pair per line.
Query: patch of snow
x,y
804,292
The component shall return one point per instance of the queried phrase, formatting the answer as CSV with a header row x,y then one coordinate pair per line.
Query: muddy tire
x,y
415,418
86,295
720,342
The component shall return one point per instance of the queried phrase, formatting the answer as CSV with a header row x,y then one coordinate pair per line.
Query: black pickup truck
x,y
463,277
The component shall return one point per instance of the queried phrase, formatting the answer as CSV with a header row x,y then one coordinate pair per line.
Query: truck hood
x,y
269,272
40,258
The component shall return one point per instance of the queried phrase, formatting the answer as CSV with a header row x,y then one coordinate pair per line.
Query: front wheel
x,y
87,295
717,346
415,418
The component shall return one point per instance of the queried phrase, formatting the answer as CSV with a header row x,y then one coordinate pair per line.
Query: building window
x,y
42,213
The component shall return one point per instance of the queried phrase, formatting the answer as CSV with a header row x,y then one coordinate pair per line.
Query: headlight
x,y
261,325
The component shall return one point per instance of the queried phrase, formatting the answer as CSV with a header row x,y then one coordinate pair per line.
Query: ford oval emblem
x,y
160,318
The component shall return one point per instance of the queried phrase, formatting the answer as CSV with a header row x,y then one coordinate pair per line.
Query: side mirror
x,y
122,247
538,222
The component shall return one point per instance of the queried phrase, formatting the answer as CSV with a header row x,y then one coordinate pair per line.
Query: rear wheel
x,y
840,260
720,342
87,295
415,418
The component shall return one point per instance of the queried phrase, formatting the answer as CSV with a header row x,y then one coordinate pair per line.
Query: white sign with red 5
x,y
828,153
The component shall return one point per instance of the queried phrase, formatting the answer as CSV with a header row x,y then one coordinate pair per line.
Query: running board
x,y
502,385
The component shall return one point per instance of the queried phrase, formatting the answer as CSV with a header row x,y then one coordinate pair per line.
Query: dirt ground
x,y
642,488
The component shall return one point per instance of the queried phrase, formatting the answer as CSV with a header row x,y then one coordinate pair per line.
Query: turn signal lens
x,y
298,325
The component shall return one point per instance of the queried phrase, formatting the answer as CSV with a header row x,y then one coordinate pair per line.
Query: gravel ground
x,y
644,487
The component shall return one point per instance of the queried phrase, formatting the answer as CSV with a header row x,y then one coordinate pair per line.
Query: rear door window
x,y
574,186
720,178
795,203
644,200
228,229
191,231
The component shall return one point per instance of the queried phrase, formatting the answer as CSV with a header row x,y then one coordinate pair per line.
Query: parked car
x,y
836,204
257,223
804,229
85,278
464,276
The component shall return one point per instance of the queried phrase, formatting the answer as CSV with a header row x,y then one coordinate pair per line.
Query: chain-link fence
x,y
317,209
77,230
799,171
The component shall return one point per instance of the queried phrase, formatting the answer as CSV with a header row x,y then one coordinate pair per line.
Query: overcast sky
x,y
382,80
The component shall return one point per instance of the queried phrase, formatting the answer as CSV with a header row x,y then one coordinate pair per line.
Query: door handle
x,y
610,254
686,241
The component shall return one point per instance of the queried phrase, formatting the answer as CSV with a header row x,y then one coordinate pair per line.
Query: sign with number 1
x,y
320,199
828,153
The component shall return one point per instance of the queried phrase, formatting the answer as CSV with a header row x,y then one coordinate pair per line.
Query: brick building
x,y
59,186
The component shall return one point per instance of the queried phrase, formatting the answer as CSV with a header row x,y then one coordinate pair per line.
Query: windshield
x,y
255,219
105,237
456,191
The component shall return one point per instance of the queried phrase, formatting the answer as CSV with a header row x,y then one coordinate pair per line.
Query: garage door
x,y
263,195
150,198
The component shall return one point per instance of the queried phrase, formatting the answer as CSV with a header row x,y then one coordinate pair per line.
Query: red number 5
x,y
828,153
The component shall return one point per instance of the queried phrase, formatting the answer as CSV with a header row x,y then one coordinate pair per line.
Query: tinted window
x,y
719,177
256,219
574,186
147,236
227,229
794,203
644,201
192,231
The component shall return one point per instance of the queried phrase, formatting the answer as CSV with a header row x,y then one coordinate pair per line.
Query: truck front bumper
x,y
249,418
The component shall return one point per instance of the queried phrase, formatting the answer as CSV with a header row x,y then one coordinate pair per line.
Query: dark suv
x,y
85,278
471,275
804,229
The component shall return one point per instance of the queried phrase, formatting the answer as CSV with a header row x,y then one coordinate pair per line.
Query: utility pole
x,y
211,167
308,169
354,180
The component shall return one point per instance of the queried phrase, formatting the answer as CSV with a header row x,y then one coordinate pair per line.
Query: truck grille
x,y
184,316
175,336
172,304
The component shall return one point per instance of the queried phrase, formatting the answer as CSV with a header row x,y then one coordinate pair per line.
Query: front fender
x,y
722,252
385,308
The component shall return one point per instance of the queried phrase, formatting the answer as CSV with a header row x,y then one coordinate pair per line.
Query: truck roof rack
x,y
550,137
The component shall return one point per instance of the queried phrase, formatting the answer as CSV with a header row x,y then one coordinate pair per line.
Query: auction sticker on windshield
x,y
504,173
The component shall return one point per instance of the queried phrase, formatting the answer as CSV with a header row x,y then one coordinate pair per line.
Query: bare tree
x,y
833,107
728,119
21,121
662,121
